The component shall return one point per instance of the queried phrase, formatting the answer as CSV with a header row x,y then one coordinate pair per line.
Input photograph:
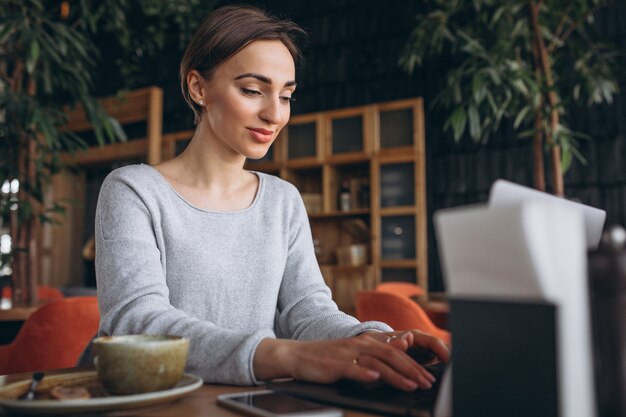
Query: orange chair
x,y
399,312
52,337
405,289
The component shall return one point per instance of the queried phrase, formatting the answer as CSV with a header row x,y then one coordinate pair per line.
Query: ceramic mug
x,y
134,364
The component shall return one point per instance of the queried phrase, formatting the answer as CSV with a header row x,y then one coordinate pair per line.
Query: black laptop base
x,y
375,397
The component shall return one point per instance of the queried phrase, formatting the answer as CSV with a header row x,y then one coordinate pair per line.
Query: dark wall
x,y
351,59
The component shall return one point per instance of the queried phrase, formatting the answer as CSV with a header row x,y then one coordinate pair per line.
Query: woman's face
x,y
247,99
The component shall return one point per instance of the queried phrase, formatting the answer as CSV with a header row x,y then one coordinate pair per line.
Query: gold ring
x,y
392,337
355,360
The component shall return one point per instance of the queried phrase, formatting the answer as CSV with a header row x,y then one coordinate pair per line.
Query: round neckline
x,y
257,195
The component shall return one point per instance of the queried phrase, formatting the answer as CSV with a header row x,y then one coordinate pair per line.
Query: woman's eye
x,y
250,92
287,100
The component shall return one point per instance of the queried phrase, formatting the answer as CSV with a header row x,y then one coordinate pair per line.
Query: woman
x,y
197,246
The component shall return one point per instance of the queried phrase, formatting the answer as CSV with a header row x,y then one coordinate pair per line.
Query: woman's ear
x,y
195,86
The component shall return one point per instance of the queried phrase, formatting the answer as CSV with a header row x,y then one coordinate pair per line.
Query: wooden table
x,y
202,402
19,313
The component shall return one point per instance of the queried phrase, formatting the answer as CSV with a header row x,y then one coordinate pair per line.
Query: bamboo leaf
x,y
478,88
578,155
576,92
5,31
566,159
495,77
458,120
474,122
526,133
521,116
520,86
33,56
117,129
497,14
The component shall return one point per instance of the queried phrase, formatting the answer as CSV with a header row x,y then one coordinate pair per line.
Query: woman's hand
x,y
422,347
368,357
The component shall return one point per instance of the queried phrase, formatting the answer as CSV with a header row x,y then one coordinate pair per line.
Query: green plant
x,y
523,61
49,61
47,64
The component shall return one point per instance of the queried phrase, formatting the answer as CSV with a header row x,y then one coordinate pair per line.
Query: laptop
x,y
377,397
384,399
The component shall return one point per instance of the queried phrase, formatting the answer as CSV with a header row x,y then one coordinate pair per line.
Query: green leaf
x,y
566,158
117,129
474,122
457,120
478,88
33,56
5,31
576,92
495,77
521,116
526,133
492,102
520,86
496,16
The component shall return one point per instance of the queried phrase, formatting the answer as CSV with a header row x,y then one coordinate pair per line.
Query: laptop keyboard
x,y
377,397
383,392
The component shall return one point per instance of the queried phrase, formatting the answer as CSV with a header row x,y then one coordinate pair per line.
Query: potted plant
x,y
50,53
524,61
47,64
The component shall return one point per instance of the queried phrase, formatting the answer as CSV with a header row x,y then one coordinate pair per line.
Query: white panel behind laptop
x,y
533,250
505,192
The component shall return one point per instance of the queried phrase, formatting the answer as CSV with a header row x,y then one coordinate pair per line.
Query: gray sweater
x,y
225,280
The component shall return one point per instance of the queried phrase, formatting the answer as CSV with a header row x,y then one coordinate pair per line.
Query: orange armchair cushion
x,y
399,312
53,336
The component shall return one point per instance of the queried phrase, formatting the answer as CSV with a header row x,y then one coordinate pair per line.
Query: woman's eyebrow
x,y
263,79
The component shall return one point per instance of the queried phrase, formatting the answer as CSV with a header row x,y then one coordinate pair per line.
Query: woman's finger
x,y
397,360
427,341
392,376
358,372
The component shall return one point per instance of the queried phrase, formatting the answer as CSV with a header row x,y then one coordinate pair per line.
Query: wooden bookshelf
x,y
379,149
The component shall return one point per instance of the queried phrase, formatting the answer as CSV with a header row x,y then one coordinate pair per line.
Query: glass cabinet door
x,y
301,140
397,237
397,185
347,134
399,274
396,128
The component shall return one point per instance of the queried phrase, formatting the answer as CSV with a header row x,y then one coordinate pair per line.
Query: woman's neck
x,y
210,176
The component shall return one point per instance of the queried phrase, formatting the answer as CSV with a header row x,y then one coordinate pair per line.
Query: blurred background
x,y
360,52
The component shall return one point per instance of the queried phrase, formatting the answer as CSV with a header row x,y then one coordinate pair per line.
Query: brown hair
x,y
223,33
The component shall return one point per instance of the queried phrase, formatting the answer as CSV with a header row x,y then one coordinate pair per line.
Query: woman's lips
x,y
261,135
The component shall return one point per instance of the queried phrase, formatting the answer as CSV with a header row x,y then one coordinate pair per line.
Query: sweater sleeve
x,y
306,310
133,293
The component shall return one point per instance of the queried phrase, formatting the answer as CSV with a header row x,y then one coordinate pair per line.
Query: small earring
x,y
200,102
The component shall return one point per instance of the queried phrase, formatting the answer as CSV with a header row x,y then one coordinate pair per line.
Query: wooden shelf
x,y
397,211
348,158
323,165
304,163
398,263
339,214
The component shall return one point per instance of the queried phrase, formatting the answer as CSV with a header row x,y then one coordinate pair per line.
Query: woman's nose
x,y
271,111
